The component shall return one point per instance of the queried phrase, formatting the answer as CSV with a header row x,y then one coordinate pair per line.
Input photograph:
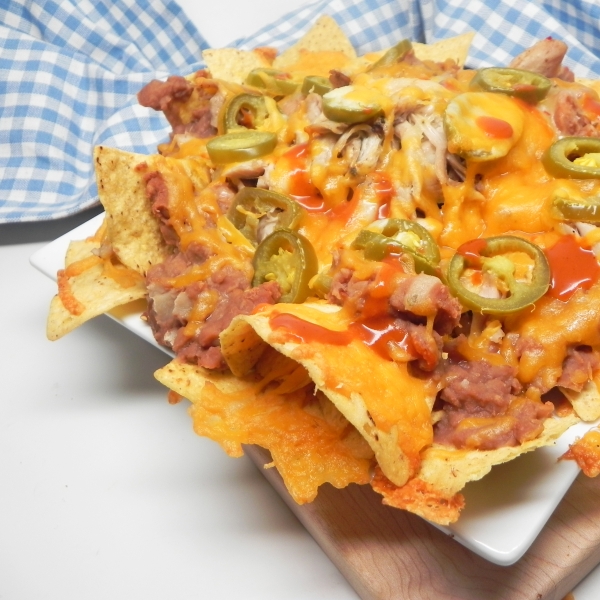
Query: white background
x,y
105,491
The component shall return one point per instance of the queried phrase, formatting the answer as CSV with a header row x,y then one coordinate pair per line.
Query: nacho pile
x,y
381,268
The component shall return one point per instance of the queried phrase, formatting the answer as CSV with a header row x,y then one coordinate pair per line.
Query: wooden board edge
x,y
388,554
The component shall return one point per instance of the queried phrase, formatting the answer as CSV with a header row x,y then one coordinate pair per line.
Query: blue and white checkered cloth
x,y
70,70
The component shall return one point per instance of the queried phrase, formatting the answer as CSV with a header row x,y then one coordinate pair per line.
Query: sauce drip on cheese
x,y
572,267
294,161
472,251
494,127
305,332
384,189
375,332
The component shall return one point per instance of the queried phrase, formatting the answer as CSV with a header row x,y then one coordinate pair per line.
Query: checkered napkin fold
x,y
70,70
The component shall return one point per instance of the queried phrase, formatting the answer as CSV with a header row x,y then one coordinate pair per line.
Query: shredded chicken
x,y
361,146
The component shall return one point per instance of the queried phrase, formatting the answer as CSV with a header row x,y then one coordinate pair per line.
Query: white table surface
x,y
105,491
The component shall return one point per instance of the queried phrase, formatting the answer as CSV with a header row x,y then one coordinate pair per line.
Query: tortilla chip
x,y
324,36
455,48
277,409
233,65
133,230
396,431
87,289
434,493
242,346
586,403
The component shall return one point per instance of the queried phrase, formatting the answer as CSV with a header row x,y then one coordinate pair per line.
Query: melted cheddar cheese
x,y
464,164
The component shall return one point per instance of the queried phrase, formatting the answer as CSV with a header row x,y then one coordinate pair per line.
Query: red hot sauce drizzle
x,y
375,332
572,268
471,250
302,331
385,192
302,190
300,186
495,128
378,332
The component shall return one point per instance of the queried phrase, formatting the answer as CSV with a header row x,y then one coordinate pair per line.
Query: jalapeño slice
x,y
522,294
347,105
286,257
239,146
525,85
257,212
584,210
316,85
244,111
273,80
560,160
400,236
394,55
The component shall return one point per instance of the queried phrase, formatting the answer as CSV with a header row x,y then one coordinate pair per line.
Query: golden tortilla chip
x,y
454,48
434,493
277,409
89,286
133,230
586,403
242,346
390,408
324,36
233,65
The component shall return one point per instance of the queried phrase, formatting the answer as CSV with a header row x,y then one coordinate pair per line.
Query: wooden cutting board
x,y
388,554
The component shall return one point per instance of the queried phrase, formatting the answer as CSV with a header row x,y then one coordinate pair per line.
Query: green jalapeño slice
x,y
525,85
395,236
351,105
244,111
584,210
273,80
394,55
289,259
239,146
316,85
573,158
257,212
490,255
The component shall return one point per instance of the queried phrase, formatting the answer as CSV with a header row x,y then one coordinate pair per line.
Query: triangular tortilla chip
x,y
433,489
455,48
586,403
133,230
233,65
87,289
324,36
